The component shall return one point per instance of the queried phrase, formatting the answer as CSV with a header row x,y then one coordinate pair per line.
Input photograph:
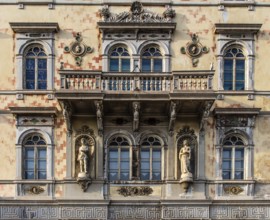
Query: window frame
x,y
36,70
152,58
235,72
120,58
36,158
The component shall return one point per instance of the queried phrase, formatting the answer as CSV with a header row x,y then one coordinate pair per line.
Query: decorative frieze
x,y
186,212
135,191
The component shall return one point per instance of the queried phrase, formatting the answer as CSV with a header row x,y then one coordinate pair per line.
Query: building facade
x,y
134,109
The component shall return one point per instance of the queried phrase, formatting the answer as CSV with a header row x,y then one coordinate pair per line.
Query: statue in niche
x,y
83,158
185,157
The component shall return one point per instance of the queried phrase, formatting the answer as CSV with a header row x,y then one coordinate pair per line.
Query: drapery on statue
x,y
184,157
83,157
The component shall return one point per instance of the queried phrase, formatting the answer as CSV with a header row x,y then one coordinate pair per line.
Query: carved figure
x,y
99,116
78,49
136,117
172,117
83,156
184,157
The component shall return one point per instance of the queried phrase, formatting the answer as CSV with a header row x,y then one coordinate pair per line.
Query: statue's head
x,y
83,140
185,142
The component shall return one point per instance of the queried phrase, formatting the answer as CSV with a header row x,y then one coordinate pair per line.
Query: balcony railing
x,y
145,82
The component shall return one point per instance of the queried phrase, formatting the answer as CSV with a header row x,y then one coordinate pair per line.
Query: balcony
x,y
177,82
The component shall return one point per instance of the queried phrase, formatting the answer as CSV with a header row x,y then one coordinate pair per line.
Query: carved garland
x,y
233,190
135,191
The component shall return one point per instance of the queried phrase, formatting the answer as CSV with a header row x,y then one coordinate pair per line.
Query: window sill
x,y
116,182
33,181
234,181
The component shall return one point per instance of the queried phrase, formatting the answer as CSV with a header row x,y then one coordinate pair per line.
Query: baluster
x,y
130,84
195,83
199,83
181,83
190,83
205,83
185,83
141,83
68,82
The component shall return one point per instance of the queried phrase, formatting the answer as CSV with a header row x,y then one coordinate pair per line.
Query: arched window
x,y
150,167
35,68
152,59
233,158
119,159
234,69
34,157
120,59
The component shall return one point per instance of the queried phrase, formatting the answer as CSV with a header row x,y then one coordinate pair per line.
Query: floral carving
x,y
233,190
136,14
135,191
194,49
35,190
78,49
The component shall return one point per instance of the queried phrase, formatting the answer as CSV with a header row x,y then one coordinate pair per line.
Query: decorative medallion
x,y
78,49
194,49
233,190
135,191
35,190
137,14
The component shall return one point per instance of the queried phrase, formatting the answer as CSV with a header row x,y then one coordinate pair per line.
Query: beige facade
x,y
135,80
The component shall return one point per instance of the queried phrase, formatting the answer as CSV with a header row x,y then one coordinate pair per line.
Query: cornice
x,y
229,111
33,110
34,27
237,28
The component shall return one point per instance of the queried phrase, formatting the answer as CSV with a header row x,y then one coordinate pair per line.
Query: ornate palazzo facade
x,y
134,109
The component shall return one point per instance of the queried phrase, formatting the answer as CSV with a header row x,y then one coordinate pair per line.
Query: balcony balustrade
x,y
144,82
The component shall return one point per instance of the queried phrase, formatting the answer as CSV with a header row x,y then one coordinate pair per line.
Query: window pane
x,y
239,175
145,154
125,65
114,65
42,153
228,86
42,165
113,176
239,165
30,75
113,165
29,175
30,85
124,153
113,153
239,85
156,154
240,64
228,65
227,153
124,176
239,153
42,85
156,176
42,74
124,165
42,175
226,165
30,64
156,166
158,65
146,65
145,175
29,165
145,165
226,175
42,63
29,152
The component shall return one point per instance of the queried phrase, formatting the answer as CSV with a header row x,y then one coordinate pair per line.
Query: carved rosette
x,y
35,190
78,49
233,190
135,191
194,50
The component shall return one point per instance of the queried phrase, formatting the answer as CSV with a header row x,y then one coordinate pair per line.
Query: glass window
x,y
35,157
152,59
119,159
233,158
35,68
119,60
234,69
150,168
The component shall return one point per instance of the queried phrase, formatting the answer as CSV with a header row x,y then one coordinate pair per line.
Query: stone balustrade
x,y
146,82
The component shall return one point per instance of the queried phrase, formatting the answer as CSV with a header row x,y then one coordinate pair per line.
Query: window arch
x,y
119,159
150,155
233,158
119,59
234,68
34,157
35,67
151,59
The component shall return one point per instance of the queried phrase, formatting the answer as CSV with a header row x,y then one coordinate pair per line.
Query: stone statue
x,y
83,158
136,117
99,117
184,157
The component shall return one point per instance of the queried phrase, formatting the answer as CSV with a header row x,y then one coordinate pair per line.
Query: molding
x,y
236,28
234,111
33,110
34,27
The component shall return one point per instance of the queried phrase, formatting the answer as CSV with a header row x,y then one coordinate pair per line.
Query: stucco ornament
x,y
35,190
136,14
194,50
233,190
135,191
78,49
184,157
